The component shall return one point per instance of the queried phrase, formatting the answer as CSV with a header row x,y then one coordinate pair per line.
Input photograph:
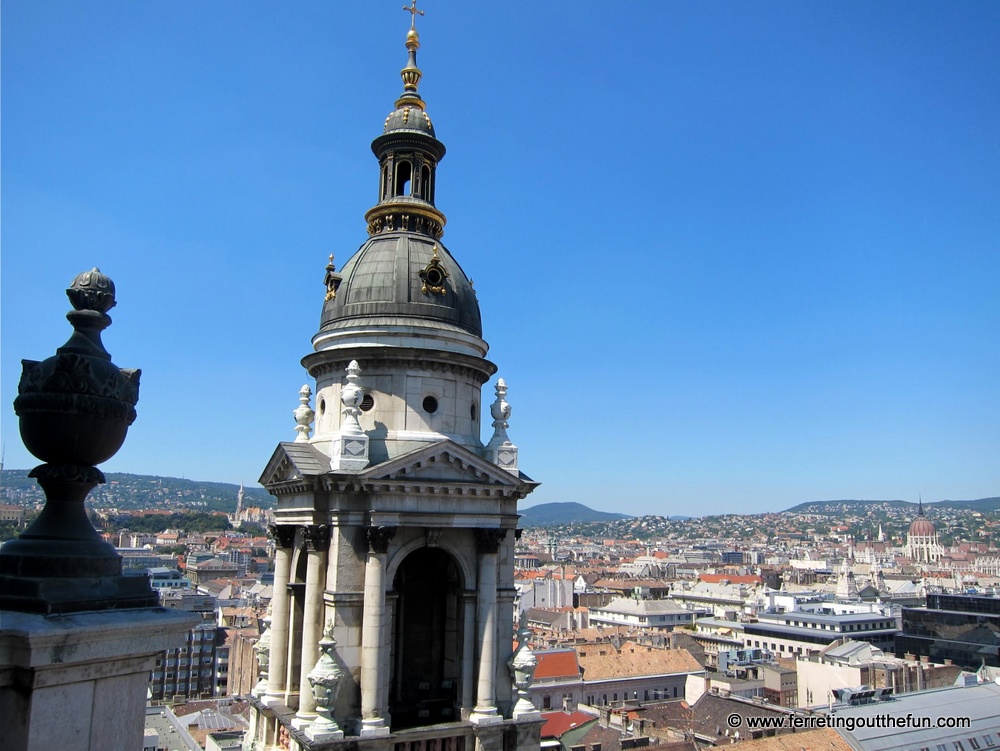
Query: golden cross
x,y
414,12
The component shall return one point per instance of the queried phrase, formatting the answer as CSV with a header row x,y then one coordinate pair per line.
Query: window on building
x,y
675,692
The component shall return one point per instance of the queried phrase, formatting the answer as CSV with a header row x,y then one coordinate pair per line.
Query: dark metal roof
x,y
383,279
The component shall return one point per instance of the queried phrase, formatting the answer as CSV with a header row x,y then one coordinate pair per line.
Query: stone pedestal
x,y
79,680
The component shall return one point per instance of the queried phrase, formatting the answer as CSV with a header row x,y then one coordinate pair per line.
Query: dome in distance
x,y
922,527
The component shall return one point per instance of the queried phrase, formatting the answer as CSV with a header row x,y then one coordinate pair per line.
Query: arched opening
x,y
426,640
403,174
296,617
425,184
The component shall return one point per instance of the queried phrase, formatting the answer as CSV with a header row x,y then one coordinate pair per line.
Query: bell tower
x,y
395,522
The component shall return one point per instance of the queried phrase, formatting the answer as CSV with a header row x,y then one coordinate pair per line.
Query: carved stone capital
x,y
433,535
316,536
283,534
379,537
488,540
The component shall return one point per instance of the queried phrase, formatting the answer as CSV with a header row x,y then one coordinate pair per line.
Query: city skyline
x,y
729,259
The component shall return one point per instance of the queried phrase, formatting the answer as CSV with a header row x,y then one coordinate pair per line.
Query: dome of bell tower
x,y
404,280
402,306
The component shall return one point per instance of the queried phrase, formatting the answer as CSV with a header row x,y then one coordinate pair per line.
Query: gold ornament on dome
x,y
332,280
433,276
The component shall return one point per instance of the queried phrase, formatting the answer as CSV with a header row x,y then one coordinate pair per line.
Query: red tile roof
x,y
560,663
557,723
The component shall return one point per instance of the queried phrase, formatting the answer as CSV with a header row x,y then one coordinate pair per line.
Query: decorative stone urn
x,y
522,666
325,679
75,409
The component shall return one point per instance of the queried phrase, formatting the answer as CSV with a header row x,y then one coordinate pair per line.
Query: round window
x,y
430,405
434,277
367,403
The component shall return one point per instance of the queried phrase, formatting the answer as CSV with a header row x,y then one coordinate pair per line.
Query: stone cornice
x,y
334,362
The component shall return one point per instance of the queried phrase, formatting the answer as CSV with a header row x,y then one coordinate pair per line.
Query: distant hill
x,y
836,507
128,491
546,514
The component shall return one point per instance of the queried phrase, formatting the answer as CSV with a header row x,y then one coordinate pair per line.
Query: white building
x,y
649,614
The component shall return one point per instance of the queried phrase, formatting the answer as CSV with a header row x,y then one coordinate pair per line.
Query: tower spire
x,y
408,154
411,74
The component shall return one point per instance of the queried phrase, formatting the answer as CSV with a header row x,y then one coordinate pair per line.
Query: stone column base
x,y
373,728
485,716
303,721
324,735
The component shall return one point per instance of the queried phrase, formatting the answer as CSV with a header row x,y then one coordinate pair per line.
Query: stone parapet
x,y
98,663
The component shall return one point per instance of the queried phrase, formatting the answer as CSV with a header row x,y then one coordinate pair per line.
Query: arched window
x,y
403,175
425,184
675,692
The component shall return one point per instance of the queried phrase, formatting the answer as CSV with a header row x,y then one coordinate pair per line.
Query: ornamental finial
x,y
414,12
303,415
500,450
411,73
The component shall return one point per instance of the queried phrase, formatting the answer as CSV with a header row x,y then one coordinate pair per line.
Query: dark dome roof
x,y
383,280
408,118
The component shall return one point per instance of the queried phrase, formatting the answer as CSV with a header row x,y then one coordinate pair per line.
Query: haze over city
x,y
729,257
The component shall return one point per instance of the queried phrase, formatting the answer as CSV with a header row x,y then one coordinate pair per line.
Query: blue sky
x,y
730,256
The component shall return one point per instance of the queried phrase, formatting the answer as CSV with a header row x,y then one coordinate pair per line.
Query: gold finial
x,y
411,73
414,12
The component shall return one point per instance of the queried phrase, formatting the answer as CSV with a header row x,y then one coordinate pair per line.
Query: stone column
x,y
372,648
294,651
316,540
284,537
488,544
468,652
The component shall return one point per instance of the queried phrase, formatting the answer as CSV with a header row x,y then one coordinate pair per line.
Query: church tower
x,y
393,595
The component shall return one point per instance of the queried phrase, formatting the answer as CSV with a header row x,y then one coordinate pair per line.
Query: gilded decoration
x,y
433,276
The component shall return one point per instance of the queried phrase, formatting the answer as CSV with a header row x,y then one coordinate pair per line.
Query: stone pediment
x,y
294,461
446,462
